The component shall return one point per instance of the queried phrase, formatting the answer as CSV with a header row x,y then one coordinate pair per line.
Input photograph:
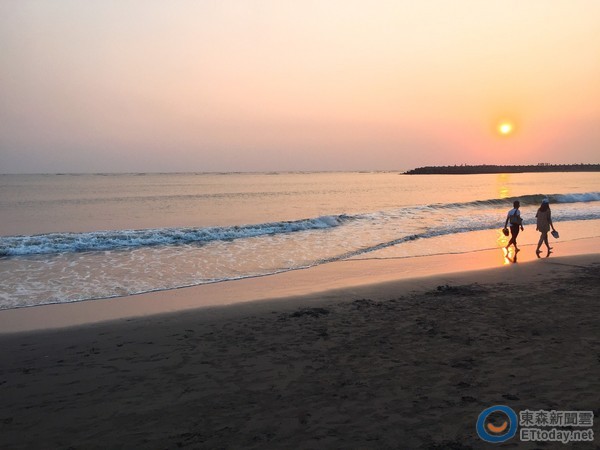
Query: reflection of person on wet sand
x,y
514,217
544,223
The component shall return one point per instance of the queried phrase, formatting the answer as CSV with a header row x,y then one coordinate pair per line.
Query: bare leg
x,y
514,232
540,242
511,241
546,242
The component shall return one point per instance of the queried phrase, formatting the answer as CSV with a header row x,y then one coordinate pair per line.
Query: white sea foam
x,y
576,198
63,267
120,239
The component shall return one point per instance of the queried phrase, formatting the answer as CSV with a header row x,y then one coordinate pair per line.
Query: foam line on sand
x,y
301,285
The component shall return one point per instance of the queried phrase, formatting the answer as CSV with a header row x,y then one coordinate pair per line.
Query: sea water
x,y
66,238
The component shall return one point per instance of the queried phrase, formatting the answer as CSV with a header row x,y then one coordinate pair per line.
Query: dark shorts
x,y
514,230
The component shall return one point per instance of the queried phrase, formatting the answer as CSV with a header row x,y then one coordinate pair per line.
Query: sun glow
x,y
505,128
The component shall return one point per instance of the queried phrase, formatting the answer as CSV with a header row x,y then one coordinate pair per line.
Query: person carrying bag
x,y
516,224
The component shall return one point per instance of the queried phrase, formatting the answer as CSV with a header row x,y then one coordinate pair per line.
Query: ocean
x,y
67,238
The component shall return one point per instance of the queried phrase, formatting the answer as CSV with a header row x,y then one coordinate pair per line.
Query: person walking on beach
x,y
544,223
516,223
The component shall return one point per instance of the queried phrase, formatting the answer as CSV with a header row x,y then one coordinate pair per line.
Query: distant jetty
x,y
465,169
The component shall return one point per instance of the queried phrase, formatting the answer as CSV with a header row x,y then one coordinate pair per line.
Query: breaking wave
x,y
532,199
124,239
121,239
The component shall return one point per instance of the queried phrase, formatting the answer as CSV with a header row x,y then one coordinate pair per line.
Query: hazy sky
x,y
102,86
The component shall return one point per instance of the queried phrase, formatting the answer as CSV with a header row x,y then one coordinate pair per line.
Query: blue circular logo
x,y
502,432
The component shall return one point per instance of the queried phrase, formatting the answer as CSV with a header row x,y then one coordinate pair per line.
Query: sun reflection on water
x,y
502,181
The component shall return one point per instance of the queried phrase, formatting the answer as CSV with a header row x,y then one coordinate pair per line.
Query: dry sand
x,y
399,364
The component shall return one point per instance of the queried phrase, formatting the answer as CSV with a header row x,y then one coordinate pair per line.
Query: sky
x,y
172,86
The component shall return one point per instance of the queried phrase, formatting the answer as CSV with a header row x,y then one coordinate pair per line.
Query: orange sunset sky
x,y
160,86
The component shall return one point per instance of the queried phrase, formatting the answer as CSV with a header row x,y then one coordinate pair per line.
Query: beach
x,y
285,225
369,361
71,238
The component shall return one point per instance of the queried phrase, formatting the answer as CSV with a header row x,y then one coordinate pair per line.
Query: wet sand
x,y
337,280
407,363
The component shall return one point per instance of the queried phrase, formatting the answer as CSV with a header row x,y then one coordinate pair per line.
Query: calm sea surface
x,y
67,238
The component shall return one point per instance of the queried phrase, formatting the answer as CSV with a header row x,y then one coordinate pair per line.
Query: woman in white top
x,y
516,223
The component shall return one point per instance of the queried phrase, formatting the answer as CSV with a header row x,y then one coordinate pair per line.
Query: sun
x,y
505,128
